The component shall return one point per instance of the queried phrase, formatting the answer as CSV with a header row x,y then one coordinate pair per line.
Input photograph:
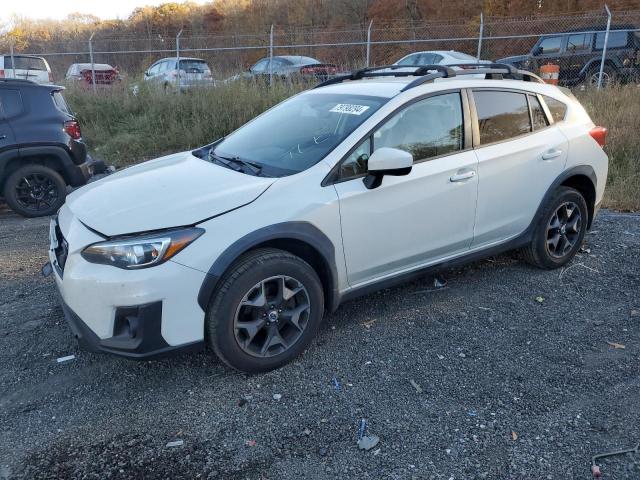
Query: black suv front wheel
x,y
35,191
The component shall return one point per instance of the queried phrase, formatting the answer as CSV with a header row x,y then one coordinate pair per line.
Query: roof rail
x,y
428,73
421,70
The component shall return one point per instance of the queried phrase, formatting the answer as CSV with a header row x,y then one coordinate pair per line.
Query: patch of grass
x,y
618,109
124,129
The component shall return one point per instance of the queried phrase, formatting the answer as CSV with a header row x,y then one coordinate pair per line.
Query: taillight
x,y
51,77
72,127
599,134
1,73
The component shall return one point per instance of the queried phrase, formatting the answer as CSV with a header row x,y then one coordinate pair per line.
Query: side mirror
x,y
387,161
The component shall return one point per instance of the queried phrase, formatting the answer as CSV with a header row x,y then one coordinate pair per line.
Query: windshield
x,y
299,132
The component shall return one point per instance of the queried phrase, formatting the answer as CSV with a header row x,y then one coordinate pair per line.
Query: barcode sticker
x,y
350,109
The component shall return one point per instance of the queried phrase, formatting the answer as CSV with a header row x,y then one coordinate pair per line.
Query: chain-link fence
x,y
595,35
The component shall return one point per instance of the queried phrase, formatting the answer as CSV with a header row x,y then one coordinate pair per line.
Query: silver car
x,y
193,72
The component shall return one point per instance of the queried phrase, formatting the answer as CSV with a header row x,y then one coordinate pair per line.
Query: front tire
x,y
35,191
560,230
266,311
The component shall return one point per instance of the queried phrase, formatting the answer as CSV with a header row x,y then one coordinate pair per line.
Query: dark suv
x,y
41,148
578,53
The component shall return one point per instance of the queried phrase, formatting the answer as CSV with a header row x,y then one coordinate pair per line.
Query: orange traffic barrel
x,y
550,73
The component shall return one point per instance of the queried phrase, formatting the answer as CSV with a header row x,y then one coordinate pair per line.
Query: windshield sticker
x,y
349,108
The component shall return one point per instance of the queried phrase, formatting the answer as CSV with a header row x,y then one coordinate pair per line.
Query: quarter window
x,y
426,129
501,115
355,164
616,40
537,113
556,107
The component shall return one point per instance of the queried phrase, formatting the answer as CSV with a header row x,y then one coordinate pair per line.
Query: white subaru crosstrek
x,y
368,180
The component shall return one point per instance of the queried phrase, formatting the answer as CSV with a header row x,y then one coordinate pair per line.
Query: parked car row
x,y
577,53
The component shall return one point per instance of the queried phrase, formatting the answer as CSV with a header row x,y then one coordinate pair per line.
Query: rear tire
x,y
35,191
609,75
560,230
266,311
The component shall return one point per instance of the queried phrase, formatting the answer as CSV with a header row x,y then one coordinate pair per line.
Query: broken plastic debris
x,y
539,299
336,384
66,359
176,443
616,346
277,396
368,324
415,385
472,413
251,443
514,435
368,442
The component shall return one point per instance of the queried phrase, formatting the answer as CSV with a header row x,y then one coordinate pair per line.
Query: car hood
x,y
171,191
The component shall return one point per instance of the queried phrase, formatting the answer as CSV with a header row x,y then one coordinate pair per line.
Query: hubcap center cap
x,y
273,316
563,229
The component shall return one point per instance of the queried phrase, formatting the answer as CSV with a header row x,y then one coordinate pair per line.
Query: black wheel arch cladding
x,y
300,238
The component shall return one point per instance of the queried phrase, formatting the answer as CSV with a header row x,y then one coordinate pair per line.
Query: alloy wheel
x,y
563,229
36,192
272,316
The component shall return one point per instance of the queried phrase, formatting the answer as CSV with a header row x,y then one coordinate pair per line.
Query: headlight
x,y
143,251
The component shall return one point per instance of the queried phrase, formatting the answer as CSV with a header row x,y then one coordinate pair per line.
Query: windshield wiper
x,y
254,168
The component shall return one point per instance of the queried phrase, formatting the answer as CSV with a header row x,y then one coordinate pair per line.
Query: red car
x,y
105,74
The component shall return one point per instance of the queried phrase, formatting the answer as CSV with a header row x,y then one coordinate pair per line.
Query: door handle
x,y
2,137
551,154
462,176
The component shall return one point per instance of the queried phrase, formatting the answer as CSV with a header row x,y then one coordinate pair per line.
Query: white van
x,y
27,67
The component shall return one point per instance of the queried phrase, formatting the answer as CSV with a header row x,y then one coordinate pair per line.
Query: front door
x,y
410,220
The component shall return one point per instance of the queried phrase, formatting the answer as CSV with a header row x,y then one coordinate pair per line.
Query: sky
x,y
57,9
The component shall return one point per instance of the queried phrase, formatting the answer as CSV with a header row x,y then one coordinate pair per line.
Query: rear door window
x,y
193,66
556,107
578,42
501,115
10,103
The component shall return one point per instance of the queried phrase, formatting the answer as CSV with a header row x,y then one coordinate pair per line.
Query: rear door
x,y
577,54
520,154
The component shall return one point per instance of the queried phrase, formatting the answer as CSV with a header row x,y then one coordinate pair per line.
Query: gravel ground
x,y
516,378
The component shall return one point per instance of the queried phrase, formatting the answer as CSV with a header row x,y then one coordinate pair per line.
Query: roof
x,y
20,82
22,55
390,86
96,66
594,28
181,58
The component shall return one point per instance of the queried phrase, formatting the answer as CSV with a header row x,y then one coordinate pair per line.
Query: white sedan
x,y
438,57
